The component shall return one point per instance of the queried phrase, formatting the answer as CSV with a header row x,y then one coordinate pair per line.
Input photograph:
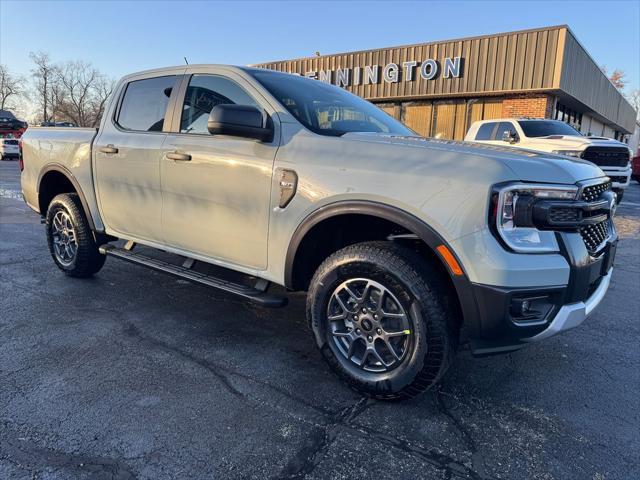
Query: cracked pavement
x,y
136,374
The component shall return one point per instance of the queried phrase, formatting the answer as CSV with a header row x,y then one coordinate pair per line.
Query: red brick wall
x,y
534,105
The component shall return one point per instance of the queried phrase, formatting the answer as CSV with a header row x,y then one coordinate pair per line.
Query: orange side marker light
x,y
450,260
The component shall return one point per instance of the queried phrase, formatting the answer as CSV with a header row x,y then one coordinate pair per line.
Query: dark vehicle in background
x,y
10,126
57,124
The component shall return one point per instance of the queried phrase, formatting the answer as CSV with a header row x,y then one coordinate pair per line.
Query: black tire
x,y
619,194
420,290
87,259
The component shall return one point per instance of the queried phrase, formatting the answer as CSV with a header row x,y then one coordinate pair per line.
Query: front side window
x,y
205,92
144,105
485,132
506,127
327,109
544,128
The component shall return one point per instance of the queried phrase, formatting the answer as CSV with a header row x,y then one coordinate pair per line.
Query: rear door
x,y
127,156
217,202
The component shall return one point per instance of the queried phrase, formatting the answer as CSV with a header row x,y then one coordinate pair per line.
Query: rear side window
x,y
485,132
145,103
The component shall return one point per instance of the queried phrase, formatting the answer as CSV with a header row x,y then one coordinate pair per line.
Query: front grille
x,y
618,178
607,156
593,192
563,215
594,235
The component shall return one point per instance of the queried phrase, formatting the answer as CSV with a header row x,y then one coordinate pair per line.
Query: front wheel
x,y
379,314
71,242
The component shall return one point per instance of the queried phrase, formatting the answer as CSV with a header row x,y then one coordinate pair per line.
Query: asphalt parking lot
x,y
135,374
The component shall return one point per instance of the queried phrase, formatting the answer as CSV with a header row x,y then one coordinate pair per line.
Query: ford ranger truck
x,y
556,137
406,247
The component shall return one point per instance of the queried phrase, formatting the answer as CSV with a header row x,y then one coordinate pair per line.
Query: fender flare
x,y
427,234
56,167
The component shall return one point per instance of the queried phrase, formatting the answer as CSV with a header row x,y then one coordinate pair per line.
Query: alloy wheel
x,y
63,235
369,325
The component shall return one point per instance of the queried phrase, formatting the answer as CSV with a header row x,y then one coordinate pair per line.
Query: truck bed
x,y
64,148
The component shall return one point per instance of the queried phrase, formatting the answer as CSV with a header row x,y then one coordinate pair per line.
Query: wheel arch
x,y
55,179
429,237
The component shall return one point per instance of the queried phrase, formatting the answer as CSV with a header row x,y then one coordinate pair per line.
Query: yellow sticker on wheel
x,y
407,332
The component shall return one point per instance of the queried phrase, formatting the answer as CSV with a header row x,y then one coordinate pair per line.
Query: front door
x,y
127,157
216,188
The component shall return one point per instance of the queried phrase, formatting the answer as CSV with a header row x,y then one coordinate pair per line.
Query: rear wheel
x,y
378,313
71,242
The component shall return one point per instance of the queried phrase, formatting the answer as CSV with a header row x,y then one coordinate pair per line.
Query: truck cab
x,y
559,138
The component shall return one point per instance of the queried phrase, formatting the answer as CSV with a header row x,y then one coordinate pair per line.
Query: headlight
x,y
568,153
512,214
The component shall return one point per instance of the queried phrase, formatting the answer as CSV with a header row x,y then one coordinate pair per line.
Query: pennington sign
x,y
407,71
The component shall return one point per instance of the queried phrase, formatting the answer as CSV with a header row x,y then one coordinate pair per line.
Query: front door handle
x,y
183,157
109,149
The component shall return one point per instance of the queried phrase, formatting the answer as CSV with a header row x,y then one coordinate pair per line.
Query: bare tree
x,y
10,86
82,94
634,99
44,72
74,91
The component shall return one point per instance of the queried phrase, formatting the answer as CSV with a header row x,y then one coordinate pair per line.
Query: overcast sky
x,y
121,37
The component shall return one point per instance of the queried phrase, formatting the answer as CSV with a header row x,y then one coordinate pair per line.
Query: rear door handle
x,y
109,149
184,157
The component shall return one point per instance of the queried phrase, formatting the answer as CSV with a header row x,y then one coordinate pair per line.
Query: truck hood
x,y
526,165
574,142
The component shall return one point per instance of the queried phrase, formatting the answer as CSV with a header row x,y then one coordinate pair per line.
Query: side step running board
x,y
255,295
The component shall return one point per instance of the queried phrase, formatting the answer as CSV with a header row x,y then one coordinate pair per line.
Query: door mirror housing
x,y
509,136
239,121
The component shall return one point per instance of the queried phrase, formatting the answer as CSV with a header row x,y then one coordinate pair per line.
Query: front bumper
x,y
620,178
501,328
573,314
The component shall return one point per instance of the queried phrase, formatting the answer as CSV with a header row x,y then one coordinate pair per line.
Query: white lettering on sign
x,y
407,71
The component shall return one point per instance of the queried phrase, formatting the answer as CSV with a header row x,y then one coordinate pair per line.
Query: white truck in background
x,y
554,136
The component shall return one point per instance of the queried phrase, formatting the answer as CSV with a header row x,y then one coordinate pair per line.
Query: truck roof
x,y
191,66
511,119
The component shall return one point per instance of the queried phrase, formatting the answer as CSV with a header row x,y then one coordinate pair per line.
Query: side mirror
x,y
509,137
239,121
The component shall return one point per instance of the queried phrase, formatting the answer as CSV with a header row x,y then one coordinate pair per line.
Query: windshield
x,y
544,128
327,109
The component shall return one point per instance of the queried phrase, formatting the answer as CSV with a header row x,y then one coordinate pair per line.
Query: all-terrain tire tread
x,y
88,259
427,284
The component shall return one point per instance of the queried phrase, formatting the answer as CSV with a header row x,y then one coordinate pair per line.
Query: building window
x,y
567,115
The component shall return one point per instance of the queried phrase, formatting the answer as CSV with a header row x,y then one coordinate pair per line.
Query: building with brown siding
x,y
439,88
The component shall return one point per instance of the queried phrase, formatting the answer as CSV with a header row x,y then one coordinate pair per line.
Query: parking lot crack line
x,y
476,458
133,331
26,454
311,455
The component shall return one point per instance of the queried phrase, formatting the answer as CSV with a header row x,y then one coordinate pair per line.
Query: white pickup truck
x,y
405,246
554,136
